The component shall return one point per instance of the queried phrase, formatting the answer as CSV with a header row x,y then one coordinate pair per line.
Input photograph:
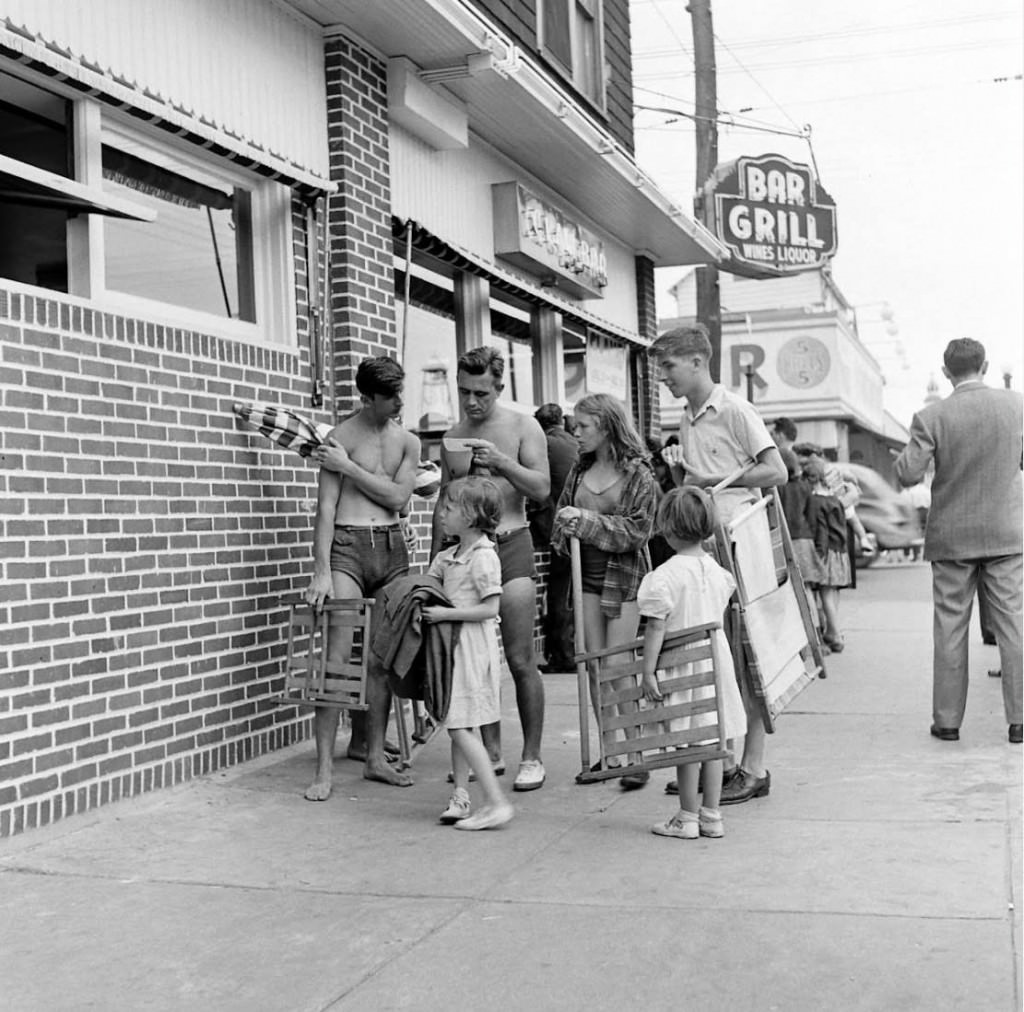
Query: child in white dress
x,y
690,589
471,575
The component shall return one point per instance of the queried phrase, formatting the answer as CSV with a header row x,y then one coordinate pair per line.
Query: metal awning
x,y
518,109
22,183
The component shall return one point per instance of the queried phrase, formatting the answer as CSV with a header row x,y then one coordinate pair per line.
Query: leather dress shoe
x,y
945,733
634,781
1016,735
739,789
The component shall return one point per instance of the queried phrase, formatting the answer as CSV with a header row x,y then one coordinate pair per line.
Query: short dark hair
x,y
689,340
380,375
806,449
687,514
550,416
787,427
479,499
485,359
963,356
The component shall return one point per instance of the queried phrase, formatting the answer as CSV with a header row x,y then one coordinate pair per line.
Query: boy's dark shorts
x,y
515,552
371,555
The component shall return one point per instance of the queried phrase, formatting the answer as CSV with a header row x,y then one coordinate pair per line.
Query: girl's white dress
x,y
476,673
685,591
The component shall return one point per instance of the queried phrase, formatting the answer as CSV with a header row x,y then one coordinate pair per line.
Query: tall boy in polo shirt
x,y
719,433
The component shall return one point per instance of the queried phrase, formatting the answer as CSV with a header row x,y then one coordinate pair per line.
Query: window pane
x,y
33,239
198,252
555,25
430,400
585,56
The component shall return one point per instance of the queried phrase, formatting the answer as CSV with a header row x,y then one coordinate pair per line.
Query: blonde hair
x,y
479,499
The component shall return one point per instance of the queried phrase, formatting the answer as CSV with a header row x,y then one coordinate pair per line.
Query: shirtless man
x,y
511,449
367,473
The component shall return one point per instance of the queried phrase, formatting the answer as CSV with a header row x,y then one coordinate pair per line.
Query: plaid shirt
x,y
624,533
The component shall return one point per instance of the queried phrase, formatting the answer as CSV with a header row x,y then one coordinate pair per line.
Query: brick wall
x,y
147,543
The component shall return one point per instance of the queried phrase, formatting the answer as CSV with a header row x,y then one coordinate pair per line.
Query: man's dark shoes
x,y
1016,735
633,781
739,789
945,733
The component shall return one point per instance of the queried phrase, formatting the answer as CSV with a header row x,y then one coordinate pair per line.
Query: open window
x,y
95,205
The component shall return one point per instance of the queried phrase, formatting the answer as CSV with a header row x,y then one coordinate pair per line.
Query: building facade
x,y
211,203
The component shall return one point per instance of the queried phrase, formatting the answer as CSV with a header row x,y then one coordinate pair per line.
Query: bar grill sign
x,y
772,214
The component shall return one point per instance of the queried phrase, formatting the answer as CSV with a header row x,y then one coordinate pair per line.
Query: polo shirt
x,y
725,434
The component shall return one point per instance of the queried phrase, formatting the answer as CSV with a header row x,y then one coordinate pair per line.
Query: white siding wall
x,y
449,193
245,65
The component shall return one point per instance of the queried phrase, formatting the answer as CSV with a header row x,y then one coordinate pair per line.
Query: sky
x,y
917,129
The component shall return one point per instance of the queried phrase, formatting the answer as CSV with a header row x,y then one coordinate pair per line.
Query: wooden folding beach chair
x,y
772,631
630,728
312,679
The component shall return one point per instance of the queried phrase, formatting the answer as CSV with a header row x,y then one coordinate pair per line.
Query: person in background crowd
x,y
367,473
973,538
558,620
719,433
827,523
657,546
919,498
510,448
844,486
784,433
608,503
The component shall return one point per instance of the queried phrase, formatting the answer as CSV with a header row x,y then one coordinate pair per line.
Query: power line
x,y
756,81
847,33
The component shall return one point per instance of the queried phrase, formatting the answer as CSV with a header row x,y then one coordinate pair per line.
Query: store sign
x,y
540,239
773,215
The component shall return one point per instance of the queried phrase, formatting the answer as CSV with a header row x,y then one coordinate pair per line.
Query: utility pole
x,y
709,307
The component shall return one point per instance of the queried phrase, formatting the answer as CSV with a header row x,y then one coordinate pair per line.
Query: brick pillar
x,y
647,325
359,214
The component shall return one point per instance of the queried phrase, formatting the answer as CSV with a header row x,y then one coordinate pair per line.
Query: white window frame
x,y
573,74
273,265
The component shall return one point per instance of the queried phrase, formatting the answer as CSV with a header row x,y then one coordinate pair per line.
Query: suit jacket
x,y
974,439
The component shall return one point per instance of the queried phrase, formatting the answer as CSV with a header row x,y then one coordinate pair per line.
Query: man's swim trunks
x,y
371,555
515,551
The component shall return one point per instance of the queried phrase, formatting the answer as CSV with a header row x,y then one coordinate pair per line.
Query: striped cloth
x,y
292,431
289,430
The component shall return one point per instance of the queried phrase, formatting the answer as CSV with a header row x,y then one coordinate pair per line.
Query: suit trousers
x,y
954,583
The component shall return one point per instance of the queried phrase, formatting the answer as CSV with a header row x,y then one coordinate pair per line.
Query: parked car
x,y
884,513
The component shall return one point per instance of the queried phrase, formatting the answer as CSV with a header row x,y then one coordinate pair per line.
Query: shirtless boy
x,y
367,473
511,449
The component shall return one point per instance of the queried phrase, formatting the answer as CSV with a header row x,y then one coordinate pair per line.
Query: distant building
x,y
791,345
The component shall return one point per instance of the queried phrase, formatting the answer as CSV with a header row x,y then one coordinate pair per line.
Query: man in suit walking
x,y
973,535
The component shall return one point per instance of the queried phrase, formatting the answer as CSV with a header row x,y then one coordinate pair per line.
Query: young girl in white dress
x,y
471,575
690,589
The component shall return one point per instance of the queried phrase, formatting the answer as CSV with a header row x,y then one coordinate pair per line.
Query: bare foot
x,y
358,752
318,790
377,770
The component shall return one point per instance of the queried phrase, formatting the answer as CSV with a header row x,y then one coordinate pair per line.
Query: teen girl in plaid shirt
x,y
608,503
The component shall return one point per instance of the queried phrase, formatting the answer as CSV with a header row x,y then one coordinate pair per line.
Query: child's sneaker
x,y
683,826
458,807
711,823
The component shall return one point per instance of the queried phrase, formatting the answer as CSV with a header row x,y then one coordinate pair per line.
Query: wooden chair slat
x,y
610,720
663,741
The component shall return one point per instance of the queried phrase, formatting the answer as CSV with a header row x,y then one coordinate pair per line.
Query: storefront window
x,y
510,334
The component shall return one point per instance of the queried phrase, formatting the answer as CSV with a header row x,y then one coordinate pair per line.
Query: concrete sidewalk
x,y
883,872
